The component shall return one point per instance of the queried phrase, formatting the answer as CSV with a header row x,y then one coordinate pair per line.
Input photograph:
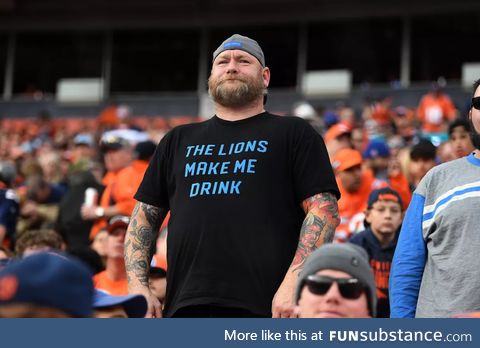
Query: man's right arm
x,y
408,262
142,230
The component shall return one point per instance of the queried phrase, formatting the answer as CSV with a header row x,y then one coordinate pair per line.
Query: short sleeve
x,y
153,189
312,170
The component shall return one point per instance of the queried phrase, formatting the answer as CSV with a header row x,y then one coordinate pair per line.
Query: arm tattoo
x,y
142,231
318,227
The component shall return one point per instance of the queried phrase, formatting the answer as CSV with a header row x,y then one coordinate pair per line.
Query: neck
x,y
384,239
477,153
239,113
116,268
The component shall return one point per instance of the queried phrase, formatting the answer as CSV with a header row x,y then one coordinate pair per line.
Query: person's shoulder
x,y
440,174
446,167
359,238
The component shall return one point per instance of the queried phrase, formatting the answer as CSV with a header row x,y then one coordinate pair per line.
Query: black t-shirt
x,y
235,191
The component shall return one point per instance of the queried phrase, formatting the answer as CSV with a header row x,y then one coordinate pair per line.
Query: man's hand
x,y
88,212
154,306
283,303
29,209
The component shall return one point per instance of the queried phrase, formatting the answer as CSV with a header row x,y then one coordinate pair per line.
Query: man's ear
x,y
367,215
266,77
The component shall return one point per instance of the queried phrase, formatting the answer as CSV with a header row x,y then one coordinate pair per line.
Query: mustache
x,y
232,79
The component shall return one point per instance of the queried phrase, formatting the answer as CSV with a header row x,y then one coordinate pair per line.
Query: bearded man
x,y
251,195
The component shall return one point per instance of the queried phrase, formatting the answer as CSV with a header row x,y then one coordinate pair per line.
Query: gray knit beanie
x,y
243,43
348,258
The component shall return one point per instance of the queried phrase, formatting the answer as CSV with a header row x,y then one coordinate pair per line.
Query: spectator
x,y
435,111
359,139
383,218
434,271
84,147
117,198
70,224
45,286
108,306
459,136
114,279
9,205
40,209
385,170
422,159
336,282
35,241
355,186
445,152
99,243
338,137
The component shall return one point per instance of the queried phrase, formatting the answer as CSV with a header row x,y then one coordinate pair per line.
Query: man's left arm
x,y
317,229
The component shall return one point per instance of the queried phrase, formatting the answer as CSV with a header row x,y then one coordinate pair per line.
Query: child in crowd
x,y
383,218
459,136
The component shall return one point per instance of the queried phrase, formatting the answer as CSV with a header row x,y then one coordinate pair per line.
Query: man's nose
x,y
333,294
232,66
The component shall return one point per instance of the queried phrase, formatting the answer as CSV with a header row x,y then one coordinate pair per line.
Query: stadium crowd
x,y
69,192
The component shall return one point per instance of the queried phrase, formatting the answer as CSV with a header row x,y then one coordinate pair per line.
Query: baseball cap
x,y
83,139
243,43
113,142
384,194
346,257
345,159
50,280
375,149
135,305
330,119
335,131
117,221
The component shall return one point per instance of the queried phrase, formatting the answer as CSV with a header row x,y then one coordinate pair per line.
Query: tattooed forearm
x,y
141,234
318,227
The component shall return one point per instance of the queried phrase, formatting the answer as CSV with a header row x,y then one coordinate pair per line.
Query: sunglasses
x,y
350,288
476,103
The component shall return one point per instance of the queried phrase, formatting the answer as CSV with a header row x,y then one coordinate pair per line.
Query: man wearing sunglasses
x,y
435,269
336,282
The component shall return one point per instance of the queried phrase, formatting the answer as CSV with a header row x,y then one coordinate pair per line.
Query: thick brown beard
x,y
247,90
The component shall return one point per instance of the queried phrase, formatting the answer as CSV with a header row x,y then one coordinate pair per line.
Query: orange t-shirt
x,y
113,287
109,117
434,112
350,205
120,189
